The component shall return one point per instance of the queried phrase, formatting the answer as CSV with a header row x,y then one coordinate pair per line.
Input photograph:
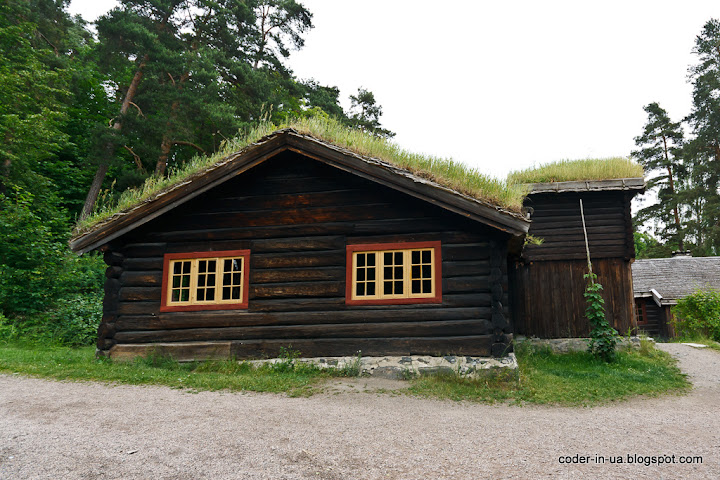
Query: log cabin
x,y
295,242
547,280
659,283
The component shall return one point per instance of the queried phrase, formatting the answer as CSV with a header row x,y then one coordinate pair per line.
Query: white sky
x,y
503,85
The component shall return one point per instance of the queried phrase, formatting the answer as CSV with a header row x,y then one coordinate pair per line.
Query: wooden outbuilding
x,y
547,281
297,243
660,282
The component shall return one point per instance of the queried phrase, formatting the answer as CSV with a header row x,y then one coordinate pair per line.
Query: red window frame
x,y
164,307
349,272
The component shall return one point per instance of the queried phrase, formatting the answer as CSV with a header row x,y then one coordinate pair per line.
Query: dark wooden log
x,y
466,284
144,264
113,258
294,260
465,268
437,346
141,279
113,271
143,294
297,289
148,249
139,308
297,275
236,318
475,251
352,330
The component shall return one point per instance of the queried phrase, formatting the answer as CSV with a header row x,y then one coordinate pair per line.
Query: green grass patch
x,y
64,363
570,170
571,379
445,171
543,378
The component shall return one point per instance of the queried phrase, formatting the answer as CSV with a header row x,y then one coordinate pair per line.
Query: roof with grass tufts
x,y
448,184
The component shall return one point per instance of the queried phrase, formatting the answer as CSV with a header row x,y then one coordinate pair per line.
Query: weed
x,y
588,169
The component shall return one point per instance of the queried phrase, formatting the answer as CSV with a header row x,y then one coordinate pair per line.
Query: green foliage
x,y
568,170
603,338
365,114
647,246
660,153
698,314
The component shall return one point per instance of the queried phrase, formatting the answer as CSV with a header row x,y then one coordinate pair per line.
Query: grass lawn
x,y
701,339
543,377
570,379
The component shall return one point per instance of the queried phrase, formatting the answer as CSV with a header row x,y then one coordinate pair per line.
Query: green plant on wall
x,y
603,338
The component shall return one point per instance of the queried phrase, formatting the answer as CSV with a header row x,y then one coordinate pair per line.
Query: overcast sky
x,y
503,85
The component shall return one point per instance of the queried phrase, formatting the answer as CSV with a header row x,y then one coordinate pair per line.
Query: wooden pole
x,y
587,246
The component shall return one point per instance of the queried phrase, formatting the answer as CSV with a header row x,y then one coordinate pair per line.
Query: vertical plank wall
x,y
548,279
296,215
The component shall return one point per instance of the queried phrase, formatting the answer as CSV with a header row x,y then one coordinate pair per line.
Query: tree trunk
x,y
110,147
167,141
678,227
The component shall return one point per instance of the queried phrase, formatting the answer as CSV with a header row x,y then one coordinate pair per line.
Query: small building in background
x,y
659,283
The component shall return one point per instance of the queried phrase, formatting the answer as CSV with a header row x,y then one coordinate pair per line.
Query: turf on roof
x,y
446,172
574,170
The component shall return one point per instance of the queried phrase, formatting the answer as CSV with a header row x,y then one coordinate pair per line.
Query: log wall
x,y
548,281
296,216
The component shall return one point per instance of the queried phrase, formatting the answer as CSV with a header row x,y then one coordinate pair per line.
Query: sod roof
x,y
443,182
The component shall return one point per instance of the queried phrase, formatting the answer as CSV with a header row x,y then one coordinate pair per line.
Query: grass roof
x,y
444,171
574,170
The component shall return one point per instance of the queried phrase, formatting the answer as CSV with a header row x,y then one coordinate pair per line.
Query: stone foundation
x,y
565,345
405,367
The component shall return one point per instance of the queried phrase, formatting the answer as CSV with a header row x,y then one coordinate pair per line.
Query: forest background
x,y
87,113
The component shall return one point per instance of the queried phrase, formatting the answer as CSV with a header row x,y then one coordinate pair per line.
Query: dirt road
x,y
70,430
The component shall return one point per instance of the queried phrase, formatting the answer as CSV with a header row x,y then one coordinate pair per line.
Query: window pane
x,y
387,258
398,258
398,272
371,274
236,264
227,265
360,261
210,295
201,280
211,280
212,265
415,273
388,272
426,256
388,288
236,279
371,259
186,280
360,289
202,266
415,256
185,295
177,268
416,286
370,288
360,277
236,293
201,295
186,267
427,271
427,286
175,295
226,293
226,279
175,281
398,288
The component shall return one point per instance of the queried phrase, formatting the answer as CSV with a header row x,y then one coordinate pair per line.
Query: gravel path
x,y
71,430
